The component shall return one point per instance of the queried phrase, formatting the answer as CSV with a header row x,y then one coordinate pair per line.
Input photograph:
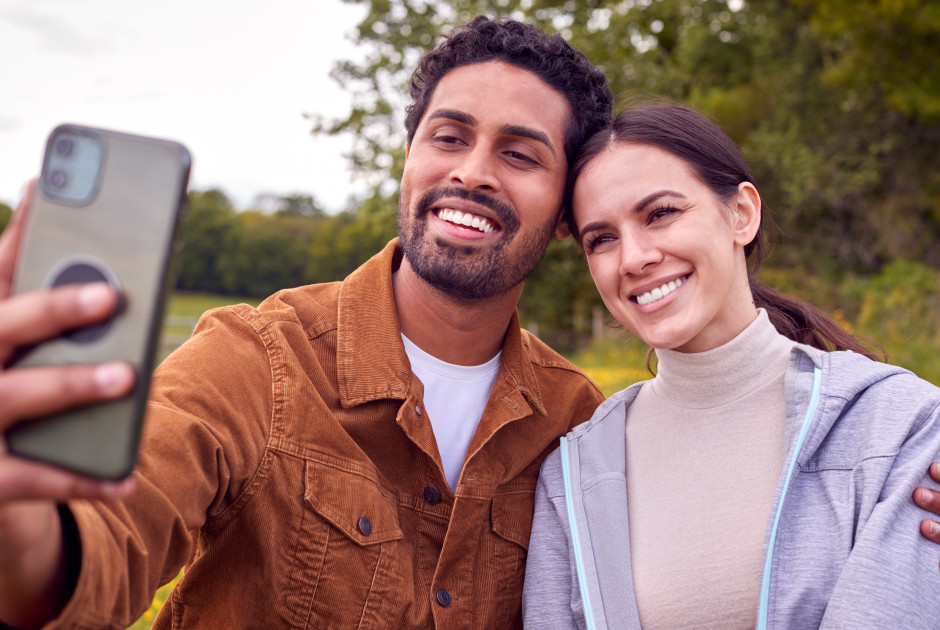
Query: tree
x,y
835,102
205,233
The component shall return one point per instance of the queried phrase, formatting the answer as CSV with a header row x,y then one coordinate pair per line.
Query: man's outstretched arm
x,y
35,580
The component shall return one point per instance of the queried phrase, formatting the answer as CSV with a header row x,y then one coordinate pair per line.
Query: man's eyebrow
x,y
528,132
453,114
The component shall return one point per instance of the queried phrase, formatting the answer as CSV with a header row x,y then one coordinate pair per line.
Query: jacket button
x,y
432,495
418,410
365,526
443,597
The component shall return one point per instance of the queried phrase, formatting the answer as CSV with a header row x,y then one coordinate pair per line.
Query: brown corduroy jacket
x,y
289,465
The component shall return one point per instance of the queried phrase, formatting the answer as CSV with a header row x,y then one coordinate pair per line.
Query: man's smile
x,y
466,219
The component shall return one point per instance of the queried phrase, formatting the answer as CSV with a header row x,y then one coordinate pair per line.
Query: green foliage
x,y
255,253
899,307
264,253
614,364
559,298
835,103
204,233
6,213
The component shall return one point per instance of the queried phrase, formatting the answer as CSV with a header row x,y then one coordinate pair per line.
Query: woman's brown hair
x,y
718,163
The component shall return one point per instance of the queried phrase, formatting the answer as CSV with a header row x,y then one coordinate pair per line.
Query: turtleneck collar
x,y
704,380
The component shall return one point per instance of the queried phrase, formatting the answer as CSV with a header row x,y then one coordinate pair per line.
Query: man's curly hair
x,y
549,57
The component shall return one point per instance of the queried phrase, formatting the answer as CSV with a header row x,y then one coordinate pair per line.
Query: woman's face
x,y
666,254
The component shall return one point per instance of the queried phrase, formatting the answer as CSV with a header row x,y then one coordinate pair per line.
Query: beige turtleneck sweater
x,y
704,452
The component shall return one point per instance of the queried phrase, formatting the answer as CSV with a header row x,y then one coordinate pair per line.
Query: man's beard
x,y
470,272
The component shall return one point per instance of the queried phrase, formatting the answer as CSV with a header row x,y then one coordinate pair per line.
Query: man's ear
x,y
561,227
746,215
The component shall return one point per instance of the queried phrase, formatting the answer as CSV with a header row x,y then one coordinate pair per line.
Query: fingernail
x,y
91,297
933,528
112,378
921,496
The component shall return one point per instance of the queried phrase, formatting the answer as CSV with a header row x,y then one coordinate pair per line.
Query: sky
x,y
230,79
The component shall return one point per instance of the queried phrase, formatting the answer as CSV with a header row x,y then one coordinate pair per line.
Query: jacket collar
x,y
371,362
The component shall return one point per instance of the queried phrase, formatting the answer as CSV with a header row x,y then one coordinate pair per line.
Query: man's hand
x,y
34,573
34,392
930,501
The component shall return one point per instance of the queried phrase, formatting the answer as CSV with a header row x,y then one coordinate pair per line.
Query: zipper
x,y
575,536
763,607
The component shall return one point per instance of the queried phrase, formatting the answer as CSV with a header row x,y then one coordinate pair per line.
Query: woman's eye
x,y
660,213
594,241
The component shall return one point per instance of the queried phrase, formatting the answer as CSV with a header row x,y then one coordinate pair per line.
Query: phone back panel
x,y
126,231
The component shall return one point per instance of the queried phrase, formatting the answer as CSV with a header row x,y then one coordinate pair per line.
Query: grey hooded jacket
x,y
842,547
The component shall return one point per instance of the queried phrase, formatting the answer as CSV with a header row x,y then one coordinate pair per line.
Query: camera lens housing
x,y
63,146
58,178
72,165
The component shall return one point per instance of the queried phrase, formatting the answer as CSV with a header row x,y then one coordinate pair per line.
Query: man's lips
x,y
466,219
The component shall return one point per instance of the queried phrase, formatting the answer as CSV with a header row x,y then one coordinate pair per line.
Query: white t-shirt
x,y
454,398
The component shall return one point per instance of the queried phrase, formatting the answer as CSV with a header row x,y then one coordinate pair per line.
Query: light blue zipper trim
x,y
575,538
763,608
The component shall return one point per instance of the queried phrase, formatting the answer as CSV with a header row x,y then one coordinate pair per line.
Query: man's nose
x,y
476,169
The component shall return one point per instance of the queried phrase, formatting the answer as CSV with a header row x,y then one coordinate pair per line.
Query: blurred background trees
x,y
836,104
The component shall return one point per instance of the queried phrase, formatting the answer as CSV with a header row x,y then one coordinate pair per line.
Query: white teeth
x,y
659,292
467,220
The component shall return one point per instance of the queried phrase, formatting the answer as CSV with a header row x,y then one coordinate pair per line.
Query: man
x,y
356,454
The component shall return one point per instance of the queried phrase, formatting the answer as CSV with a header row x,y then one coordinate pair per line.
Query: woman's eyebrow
x,y
637,207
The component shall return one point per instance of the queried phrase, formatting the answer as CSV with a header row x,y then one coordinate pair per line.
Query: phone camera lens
x,y
63,146
57,178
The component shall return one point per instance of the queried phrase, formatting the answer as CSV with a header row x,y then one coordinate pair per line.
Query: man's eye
x,y
522,157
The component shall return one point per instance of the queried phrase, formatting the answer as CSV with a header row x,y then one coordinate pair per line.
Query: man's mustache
x,y
506,216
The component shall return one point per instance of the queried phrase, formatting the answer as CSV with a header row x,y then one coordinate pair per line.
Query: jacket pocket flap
x,y
352,503
511,517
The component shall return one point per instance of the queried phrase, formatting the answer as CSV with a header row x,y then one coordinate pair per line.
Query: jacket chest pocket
x,y
348,561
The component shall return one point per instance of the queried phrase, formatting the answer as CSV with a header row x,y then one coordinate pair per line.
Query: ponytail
x,y
804,323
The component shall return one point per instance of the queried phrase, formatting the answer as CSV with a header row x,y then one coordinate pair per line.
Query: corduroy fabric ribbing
x,y
285,463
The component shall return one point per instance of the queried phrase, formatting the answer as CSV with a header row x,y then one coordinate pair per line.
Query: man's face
x,y
483,180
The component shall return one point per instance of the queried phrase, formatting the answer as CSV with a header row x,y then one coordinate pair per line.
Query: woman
x,y
764,475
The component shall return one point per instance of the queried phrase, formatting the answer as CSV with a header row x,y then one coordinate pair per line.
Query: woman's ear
x,y
746,217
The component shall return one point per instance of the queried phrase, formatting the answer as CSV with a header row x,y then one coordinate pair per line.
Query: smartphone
x,y
107,208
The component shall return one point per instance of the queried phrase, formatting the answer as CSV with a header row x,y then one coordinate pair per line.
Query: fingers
x,y
10,240
935,472
930,530
930,500
40,391
38,315
21,479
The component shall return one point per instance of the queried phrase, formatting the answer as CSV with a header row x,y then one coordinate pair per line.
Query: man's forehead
x,y
501,93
